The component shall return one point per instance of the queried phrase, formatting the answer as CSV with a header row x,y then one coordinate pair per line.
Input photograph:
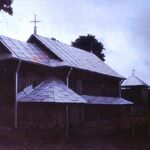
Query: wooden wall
x,y
30,75
47,115
7,93
93,84
137,94
82,82
102,112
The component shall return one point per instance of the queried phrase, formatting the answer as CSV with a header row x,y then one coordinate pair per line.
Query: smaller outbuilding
x,y
135,90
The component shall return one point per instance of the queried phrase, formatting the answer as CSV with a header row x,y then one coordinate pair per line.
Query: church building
x,y
45,83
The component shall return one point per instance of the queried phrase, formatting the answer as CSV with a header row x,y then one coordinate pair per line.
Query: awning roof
x,y
99,100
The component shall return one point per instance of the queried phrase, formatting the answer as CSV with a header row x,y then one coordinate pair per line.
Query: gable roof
x,y
133,81
52,90
27,52
76,57
68,56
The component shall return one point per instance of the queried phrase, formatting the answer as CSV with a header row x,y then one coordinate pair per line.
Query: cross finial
x,y
35,21
133,70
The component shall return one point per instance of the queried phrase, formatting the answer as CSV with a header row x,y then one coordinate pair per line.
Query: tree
x,y
90,43
5,5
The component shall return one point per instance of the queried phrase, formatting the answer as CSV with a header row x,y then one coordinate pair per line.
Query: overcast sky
x,y
123,26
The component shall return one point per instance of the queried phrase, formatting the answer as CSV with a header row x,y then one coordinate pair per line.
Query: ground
x,y
83,140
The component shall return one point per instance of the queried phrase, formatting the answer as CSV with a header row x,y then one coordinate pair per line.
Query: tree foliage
x,y
90,43
5,5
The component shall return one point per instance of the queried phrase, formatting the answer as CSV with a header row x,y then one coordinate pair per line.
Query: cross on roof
x,y
35,21
133,70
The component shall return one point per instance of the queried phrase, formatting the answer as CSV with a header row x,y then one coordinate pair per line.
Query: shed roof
x,y
133,81
52,90
99,100
76,57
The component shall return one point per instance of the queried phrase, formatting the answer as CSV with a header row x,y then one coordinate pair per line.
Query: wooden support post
x,y
133,120
67,122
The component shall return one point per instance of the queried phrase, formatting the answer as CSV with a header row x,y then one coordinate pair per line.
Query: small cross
x,y
35,22
133,70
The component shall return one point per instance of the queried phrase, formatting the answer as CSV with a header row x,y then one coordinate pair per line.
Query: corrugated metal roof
x,y
70,56
52,90
28,52
133,81
77,58
99,100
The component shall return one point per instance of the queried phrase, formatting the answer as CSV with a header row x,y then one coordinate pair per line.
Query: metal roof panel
x,y
106,100
51,90
29,52
77,58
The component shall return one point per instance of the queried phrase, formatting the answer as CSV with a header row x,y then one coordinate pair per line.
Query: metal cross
x,y
35,22
133,70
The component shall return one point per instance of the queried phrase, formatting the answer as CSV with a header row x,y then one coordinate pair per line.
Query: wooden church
x,y
46,83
